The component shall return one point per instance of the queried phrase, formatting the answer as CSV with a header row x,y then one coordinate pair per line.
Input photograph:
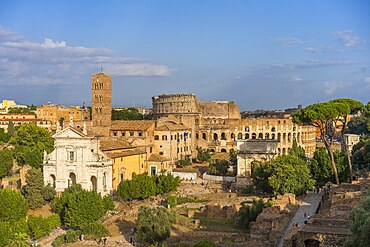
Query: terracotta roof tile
x,y
125,153
158,158
168,127
113,144
132,124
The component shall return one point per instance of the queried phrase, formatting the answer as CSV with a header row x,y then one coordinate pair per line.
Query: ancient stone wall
x,y
166,104
219,110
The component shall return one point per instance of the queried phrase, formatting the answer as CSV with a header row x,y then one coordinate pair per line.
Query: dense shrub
x,y
154,224
40,226
143,186
218,167
77,207
359,223
249,213
48,193
285,174
8,230
183,162
174,200
204,243
203,154
94,230
12,205
71,236
59,241
108,203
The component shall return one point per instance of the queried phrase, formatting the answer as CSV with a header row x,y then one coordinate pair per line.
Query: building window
x,y
161,153
140,133
131,133
151,150
164,138
123,133
156,137
71,156
115,133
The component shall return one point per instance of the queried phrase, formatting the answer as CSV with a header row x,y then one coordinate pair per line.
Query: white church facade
x,y
77,158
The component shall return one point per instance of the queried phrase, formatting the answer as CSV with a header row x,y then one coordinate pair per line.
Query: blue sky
x,y
260,54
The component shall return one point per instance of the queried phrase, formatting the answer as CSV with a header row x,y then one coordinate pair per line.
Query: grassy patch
x,y
218,225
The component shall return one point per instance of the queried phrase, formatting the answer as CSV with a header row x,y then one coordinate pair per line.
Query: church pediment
x,y
68,132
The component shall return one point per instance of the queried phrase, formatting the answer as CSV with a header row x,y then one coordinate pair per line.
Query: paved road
x,y
309,206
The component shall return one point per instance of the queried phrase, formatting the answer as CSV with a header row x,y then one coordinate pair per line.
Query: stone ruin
x,y
329,227
267,229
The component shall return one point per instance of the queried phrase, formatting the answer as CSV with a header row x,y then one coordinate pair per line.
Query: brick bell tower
x,y
101,91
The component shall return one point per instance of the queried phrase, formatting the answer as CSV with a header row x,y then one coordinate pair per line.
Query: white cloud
x,y
289,41
347,38
330,87
367,80
56,62
310,49
296,78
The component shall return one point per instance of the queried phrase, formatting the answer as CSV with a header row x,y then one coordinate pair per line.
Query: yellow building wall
x,y
128,165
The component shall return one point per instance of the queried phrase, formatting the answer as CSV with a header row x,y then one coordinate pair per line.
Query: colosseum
x,y
218,125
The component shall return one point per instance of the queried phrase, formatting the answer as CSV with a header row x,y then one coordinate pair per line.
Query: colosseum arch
x,y
289,137
215,136
279,137
204,136
223,150
232,136
254,136
223,136
240,136
267,136
273,129
247,136
273,136
260,136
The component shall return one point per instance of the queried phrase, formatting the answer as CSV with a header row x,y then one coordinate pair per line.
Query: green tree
x,y
13,206
218,167
354,107
48,193
323,116
140,187
6,162
4,137
30,141
154,224
11,128
285,174
361,153
233,158
34,187
128,114
297,151
203,154
166,183
322,170
248,213
77,207
359,223
108,203
359,125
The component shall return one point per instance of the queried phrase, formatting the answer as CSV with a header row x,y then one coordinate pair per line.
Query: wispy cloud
x,y
289,41
296,78
330,87
55,62
309,64
347,38
310,49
